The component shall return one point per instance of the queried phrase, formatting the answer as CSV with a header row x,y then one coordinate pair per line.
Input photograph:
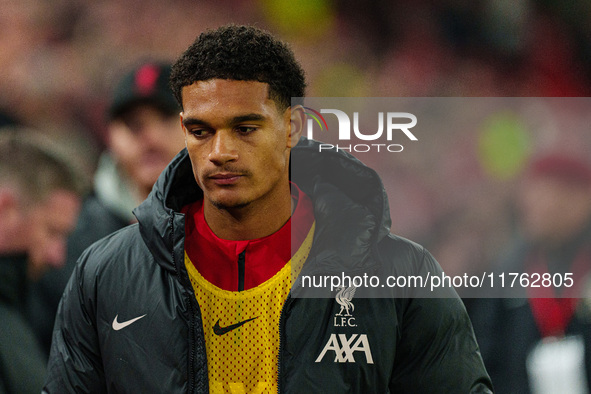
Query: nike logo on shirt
x,y
118,326
217,330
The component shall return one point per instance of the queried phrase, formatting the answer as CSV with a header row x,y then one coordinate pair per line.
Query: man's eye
x,y
198,132
246,129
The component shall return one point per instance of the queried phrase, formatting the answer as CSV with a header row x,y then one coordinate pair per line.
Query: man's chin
x,y
229,205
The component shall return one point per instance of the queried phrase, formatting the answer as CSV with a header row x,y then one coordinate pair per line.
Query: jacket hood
x,y
350,205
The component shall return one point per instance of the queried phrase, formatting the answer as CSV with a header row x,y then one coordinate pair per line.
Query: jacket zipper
x,y
281,330
196,341
195,315
193,339
241,268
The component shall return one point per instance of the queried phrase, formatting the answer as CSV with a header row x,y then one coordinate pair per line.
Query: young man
x,y
39,202
198,296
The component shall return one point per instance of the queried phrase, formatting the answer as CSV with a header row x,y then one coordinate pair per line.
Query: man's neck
x,y
250,222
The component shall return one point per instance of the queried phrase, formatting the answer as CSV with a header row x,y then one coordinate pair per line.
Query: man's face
x,y
50,222
143,141
238,141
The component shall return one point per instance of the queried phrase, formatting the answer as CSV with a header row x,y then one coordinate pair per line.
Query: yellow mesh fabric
x,y
244,359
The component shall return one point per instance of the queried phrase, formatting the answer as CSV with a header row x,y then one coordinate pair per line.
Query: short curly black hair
x,y
241,53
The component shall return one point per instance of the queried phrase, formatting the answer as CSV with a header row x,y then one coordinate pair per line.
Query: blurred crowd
x,y
59,57
458,192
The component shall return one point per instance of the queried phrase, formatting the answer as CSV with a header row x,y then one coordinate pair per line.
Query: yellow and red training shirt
x,y
242,327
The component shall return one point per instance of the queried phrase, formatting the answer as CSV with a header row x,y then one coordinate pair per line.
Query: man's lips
x,y
225,178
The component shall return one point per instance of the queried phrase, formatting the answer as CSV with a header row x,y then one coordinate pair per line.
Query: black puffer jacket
x,y
402,345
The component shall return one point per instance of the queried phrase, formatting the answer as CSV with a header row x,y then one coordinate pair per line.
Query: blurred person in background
x,y
40,197
143,136
541,343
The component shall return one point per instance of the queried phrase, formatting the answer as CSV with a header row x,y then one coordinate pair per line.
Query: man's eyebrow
x,y
247,118
235,120
194,121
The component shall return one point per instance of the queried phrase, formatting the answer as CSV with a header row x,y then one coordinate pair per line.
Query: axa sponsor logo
x,y
344,348
389,123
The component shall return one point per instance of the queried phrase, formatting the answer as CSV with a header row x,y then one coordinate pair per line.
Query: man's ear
x,y
297,119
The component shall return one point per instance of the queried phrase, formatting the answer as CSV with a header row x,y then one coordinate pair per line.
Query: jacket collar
x,y
350,206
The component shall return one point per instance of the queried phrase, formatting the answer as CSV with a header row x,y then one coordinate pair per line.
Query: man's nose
x,y
223,148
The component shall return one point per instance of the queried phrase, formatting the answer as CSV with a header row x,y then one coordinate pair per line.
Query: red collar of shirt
x,y
216,259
